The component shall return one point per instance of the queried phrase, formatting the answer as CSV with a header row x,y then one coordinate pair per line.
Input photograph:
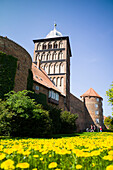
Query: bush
x,y
20,116
54,114
68,124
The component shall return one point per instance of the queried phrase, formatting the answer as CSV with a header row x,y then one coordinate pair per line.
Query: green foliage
x,y
8,65
20,116
39,98
109,93
68,124
30,80
109,122
54,114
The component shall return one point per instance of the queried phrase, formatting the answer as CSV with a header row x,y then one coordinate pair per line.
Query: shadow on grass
x,y
54,136
65,135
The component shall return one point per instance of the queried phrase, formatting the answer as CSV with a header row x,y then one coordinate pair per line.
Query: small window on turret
x,y
96,112
97,121
97,99
96,105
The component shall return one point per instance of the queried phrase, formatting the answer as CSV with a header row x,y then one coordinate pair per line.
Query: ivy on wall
x,y
30,80
8,65
39,98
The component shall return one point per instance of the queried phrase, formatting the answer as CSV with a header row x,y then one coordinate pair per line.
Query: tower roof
x,y
92,93
54,33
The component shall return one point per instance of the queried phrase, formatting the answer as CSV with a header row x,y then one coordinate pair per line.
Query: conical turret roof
x,y
92,93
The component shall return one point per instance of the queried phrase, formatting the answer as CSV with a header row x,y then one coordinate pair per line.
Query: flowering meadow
x,y
88,151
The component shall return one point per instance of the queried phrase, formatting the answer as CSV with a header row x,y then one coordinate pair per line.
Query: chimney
x,y
38,63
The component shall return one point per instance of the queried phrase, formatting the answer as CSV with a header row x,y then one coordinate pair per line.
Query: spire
x,y
54,33
55,26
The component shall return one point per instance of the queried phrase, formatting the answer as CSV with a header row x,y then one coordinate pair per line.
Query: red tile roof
x,y
91,92
41,77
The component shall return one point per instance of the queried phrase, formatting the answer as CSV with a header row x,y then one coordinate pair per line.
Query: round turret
x,y
93,104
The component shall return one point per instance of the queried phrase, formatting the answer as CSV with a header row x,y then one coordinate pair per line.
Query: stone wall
x,y
77,107
84,118
23,64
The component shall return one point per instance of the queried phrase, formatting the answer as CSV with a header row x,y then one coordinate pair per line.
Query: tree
x,y
21,116
68,124
109,93
109,122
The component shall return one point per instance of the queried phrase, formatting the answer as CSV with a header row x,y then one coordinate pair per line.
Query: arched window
x,y
56,68
55,56
44,46
39,47
62,81
55,45
62,68
49,56
49,46
46,69
60,56
61,44
51,69
54,80
43,66
58,82
43,57
37,57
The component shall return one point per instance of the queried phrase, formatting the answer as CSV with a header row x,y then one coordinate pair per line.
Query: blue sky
x,y
89,25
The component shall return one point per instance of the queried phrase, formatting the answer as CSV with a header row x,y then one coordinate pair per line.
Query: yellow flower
x,y
35,156
110,167
22,165
93,164
78,166
41,159
34,169
8,164
52,165
2,156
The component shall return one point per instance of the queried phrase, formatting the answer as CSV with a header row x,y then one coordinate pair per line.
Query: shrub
x,y
68,124
54,114
20,116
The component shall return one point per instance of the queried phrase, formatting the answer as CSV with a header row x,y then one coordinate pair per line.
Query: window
x,y
55,45
96,105
49,46
39,47
97,121
49,94
53,95
57,97
37,87
61,45
96,112
97,99
44,46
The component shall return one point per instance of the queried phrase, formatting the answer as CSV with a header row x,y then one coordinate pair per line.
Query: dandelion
x,y
2,156
110,167
78,166
22,165
8,164
52,165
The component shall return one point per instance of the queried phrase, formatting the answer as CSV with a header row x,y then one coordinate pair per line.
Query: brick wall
x,y
23,64
44,90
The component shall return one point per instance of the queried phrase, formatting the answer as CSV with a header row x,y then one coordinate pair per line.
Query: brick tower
x,y
54,52
93,103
